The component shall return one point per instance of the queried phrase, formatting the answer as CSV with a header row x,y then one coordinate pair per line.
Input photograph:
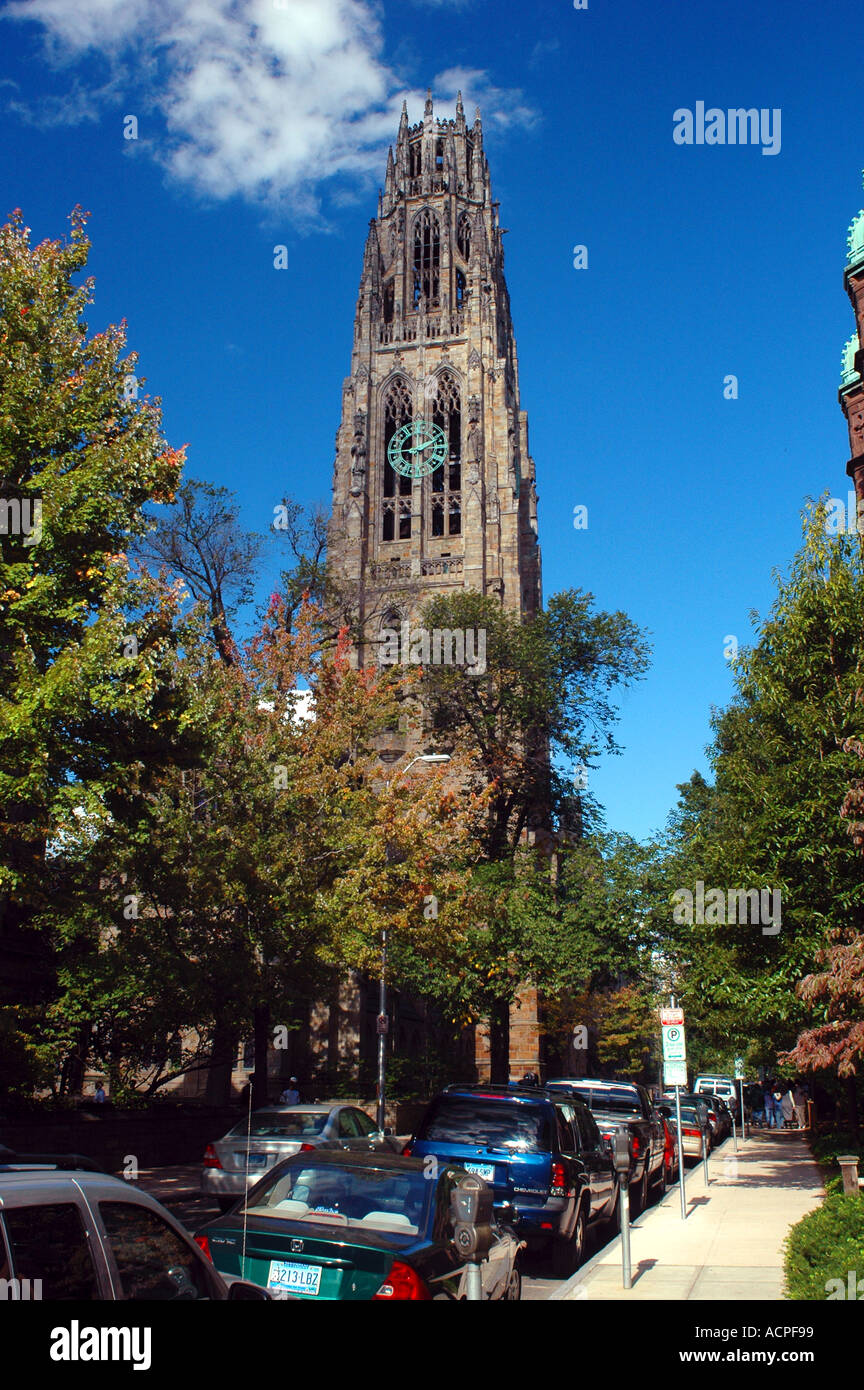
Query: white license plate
x,y
483,1170
287,1276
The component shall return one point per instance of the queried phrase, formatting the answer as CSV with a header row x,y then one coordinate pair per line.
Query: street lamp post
x,y
383,1022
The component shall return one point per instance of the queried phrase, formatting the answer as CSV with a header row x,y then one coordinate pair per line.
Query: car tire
x,y
639,1195
513,1292
614,1219
660,1182
568,1251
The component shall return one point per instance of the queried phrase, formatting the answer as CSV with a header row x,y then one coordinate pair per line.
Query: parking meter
x,y
621,1151
621,1164
471,1215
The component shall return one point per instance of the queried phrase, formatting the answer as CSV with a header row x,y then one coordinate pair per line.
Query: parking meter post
x,y
734,1133
680,1153
621,1163
473,1283
705,1159
741,1102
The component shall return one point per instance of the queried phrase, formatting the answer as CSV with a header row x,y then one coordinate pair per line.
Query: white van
x,y
726,1087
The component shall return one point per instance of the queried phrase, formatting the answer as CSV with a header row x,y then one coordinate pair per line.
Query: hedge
x,y
827,1244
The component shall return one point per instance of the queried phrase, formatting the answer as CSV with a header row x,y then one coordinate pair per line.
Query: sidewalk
x,y
730,1247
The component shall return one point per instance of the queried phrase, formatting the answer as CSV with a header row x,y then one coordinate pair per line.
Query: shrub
x,y
826,1244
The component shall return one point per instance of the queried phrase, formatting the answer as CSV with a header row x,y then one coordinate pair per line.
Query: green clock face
x,y
417,449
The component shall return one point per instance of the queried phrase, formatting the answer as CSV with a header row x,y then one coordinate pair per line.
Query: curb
x,y
563,1290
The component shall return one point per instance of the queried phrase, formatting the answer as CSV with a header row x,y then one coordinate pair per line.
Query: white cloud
x,y
267,99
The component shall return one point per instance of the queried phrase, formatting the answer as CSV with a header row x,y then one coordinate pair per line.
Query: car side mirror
x,y
241,1291
388,1131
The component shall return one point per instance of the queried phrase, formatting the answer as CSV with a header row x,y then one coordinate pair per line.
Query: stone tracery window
x,y
446,502
427,259
396,518
463,236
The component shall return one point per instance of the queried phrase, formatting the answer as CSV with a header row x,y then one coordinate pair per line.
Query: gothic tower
x,y
434,390
434,347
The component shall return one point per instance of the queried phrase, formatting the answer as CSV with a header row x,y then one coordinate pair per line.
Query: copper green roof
x,y
855,240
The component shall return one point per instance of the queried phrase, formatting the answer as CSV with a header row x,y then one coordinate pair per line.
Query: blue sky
x,y
263,123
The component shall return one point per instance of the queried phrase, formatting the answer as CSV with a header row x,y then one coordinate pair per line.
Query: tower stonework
x,y
434,351
433,341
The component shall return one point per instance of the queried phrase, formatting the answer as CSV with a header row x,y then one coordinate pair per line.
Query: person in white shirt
x,y
290,1096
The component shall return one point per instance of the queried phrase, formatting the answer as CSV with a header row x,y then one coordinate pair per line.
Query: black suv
x,y
550,1170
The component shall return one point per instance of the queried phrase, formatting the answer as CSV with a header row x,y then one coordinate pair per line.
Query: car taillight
x,y
634,1146
692,1133
406,1152
211,1158
557,1181
403,1283
203,1244
306,1148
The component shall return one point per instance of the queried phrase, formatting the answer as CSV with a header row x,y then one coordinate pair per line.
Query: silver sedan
x,y
263,1139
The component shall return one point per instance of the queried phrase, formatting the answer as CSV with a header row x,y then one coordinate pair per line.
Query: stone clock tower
x,y
434,351
433,487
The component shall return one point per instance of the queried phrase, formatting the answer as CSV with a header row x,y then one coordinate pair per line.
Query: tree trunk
x,y
499,1043
260,1095
218,1087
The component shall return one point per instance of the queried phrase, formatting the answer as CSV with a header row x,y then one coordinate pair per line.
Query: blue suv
x,y
543,1156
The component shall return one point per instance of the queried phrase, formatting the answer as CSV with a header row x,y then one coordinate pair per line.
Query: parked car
x,y
670,1149
694,1122
258,1143
543,1156
622,1103
724,1086
717,1106
339,1225
71,1233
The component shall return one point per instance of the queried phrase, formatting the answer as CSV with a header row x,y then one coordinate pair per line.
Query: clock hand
x,y
418,448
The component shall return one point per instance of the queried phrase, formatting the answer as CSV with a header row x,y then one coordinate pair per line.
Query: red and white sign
x,y
668,1016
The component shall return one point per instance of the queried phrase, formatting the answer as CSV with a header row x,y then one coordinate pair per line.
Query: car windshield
x,y
491,1124
371,1198
612,1101
280,1124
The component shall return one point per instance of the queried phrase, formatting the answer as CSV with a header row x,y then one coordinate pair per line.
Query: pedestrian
x,y
799,1096
787,1108
291,1095
768,1103
777,1105
756,1101
99,1097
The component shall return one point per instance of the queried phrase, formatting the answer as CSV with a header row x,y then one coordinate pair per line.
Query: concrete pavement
x,y
731,1245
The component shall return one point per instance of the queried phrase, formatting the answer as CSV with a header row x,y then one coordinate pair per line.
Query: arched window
x,y
415,159
396,522
446,501
389,290
463,236
427,258
460,290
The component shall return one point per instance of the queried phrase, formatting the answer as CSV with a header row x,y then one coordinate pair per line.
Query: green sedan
x,y
338,1225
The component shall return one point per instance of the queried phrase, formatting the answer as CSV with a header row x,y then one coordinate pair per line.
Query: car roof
x,y
44,1184
345,1158
593,1082
299,1109
496,1092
